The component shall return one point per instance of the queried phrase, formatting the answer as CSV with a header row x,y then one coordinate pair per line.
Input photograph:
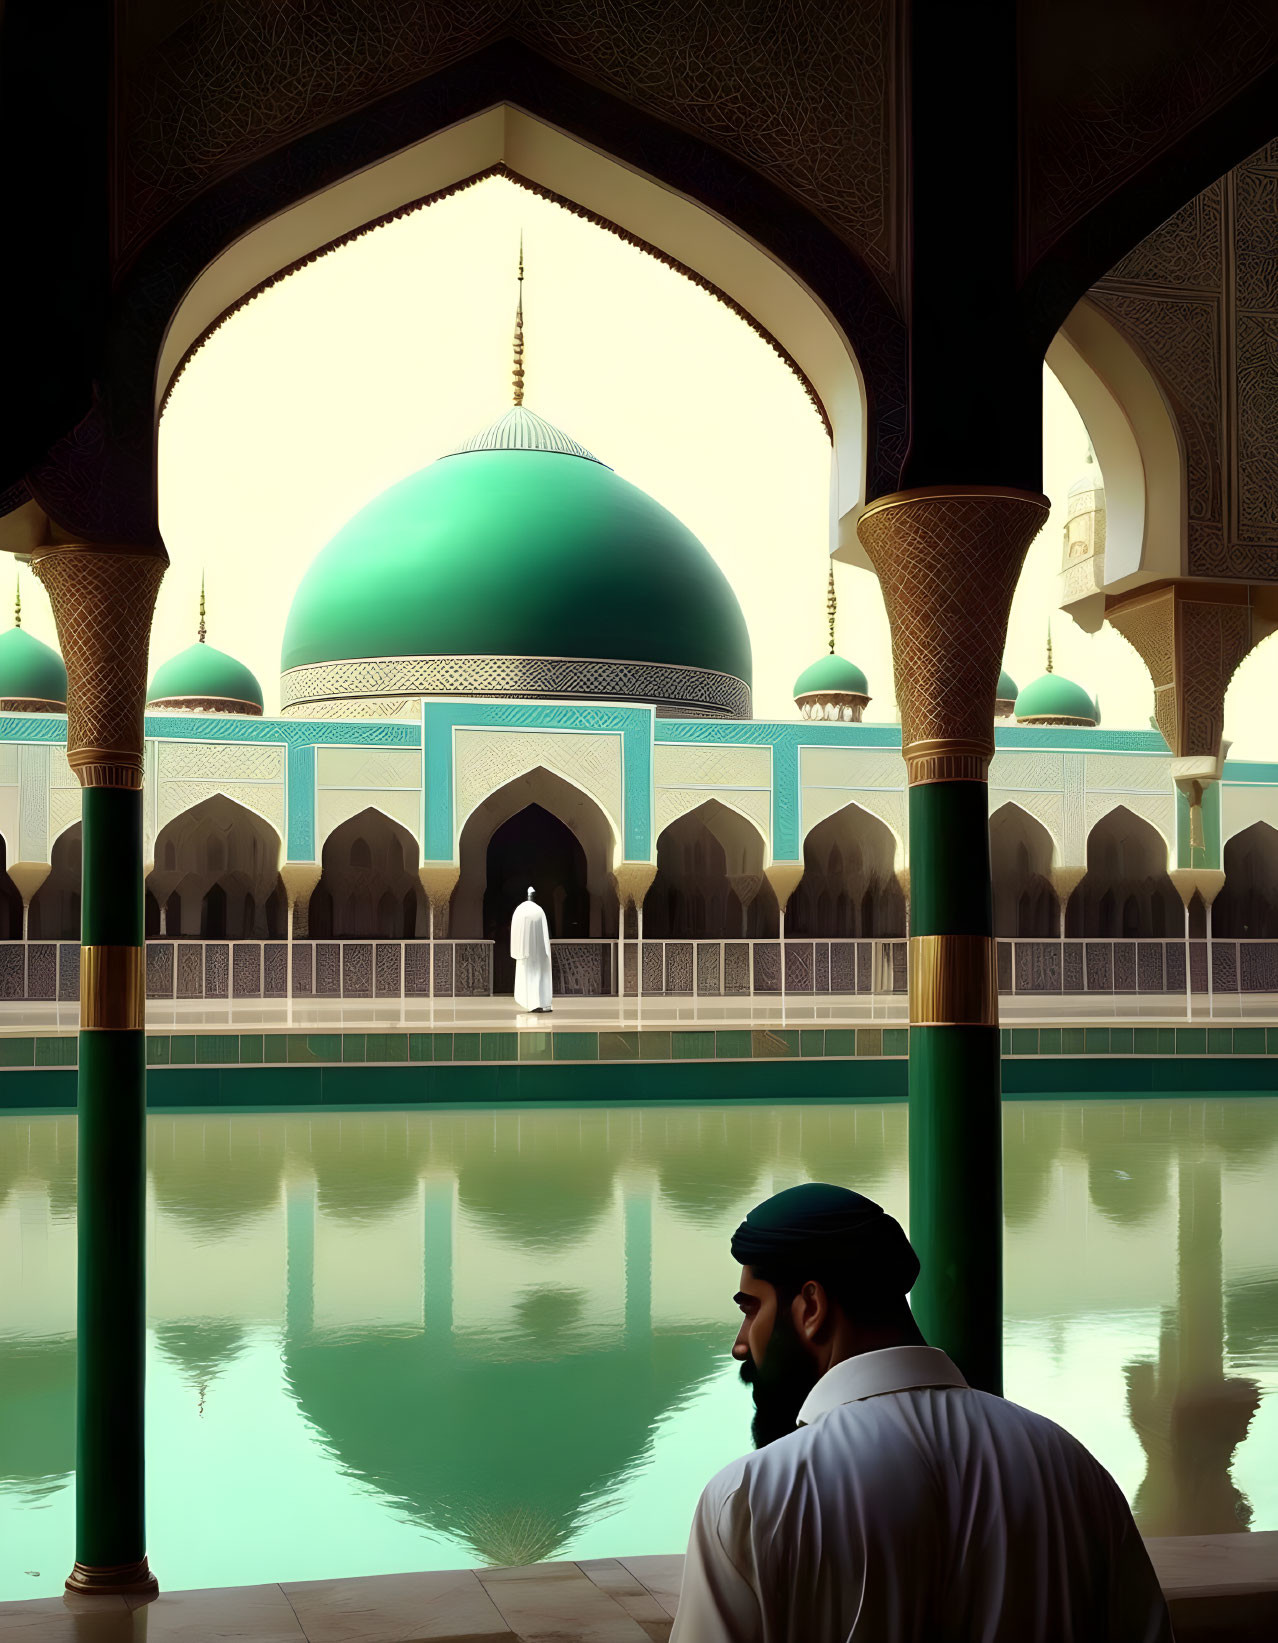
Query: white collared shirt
x,y
908,1507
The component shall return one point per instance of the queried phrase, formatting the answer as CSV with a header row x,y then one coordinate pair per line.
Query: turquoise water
x,y
430,1339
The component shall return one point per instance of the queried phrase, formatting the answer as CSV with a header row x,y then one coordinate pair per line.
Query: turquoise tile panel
x,y
692,1046
354,1047
217,1048
1249,1041
250,1048
618,1046
839,1041
275,1047
1145,1041
1220,1041
1273,1041
1024,1041
442,1046
1049,1041
500,1046
469,1047
326,1047
654,1046
1120,1040
535,1047
1096,1041
419,1047
1073,1041
1191,1041
812,1042
181,1050
575,1046
157,1050
1005,1041
732,1044
896,1041
1167,1041
869,1041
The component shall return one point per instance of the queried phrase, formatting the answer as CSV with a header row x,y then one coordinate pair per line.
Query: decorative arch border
x,y
857,801
614,826
321,839
215,791
709,797
1058,848
1124,803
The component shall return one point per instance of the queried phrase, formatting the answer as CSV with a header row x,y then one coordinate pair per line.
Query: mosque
x,y
441,746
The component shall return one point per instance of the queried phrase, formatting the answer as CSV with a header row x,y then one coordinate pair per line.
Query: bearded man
x,y
888,1500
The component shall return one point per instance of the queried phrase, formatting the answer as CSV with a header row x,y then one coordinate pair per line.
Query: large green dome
x,y
519,566
205,679
1053,699
32,675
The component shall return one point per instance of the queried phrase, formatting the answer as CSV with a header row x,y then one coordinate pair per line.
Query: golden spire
x,y
518,375
203,631
1049,644
831,605
17,600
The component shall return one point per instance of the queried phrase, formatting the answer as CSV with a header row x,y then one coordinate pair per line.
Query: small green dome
x,y
203,677
519,565
831,675
1007,688
31,671
1052,696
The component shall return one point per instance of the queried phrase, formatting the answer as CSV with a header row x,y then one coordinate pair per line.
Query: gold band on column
x,y
112,989
947,759
953,981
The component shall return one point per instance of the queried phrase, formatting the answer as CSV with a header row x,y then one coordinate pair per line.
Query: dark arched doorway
x,y
849,886
1247,907
532,847
1025,904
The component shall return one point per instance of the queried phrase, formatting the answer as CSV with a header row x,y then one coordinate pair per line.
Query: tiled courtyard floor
x,y
1220,1588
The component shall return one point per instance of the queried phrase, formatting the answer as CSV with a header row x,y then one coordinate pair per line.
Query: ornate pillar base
x,y
129,1579
948,559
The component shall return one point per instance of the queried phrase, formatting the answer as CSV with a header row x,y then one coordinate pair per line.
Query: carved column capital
x,y
299,879
439,880
1192,636
784,878
632,881
1208,882
948,558
1065,880
103,599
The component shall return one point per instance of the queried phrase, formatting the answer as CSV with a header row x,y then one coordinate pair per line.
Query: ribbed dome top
x,y
1052,696
832,675
523,430
202,674
30,670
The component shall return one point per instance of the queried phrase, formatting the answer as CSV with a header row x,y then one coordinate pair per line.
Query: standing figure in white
x,y
530,949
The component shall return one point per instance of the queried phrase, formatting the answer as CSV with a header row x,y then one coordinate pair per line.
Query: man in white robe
x,y
530,949
889,1501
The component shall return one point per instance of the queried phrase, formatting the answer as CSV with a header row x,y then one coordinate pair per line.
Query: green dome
x,y
831,675
518,566
1007,688
204,677
1054,697
31,671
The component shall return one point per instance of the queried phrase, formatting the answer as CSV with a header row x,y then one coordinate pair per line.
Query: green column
x,y
956,1185
111,1146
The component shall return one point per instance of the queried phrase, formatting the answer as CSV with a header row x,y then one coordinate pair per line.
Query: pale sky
x,y
360,369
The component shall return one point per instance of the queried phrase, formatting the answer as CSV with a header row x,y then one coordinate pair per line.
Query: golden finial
x,y
518,374
831,605
203,631
17,601
1049,644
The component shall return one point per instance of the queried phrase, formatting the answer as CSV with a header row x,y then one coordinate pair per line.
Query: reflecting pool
x,y
383,1341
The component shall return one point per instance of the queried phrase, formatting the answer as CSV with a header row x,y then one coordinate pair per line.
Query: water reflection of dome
x,y
37,1413
217,1174
542,1180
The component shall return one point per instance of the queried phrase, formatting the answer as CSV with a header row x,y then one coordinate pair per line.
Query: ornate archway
x,y
1021,851
369,886
849,887
710,882
1126,892
216,875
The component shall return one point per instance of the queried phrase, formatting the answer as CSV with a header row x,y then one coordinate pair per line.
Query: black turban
x,y
828,1228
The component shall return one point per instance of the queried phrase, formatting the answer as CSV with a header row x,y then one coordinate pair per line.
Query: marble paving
x,y
1219,1588
630,1014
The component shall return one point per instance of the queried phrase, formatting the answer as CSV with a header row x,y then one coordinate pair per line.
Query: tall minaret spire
x,y
1049,644
203,631
518,375
831,605
17,601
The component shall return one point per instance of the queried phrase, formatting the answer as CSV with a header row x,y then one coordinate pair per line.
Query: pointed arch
x,y
368,885
10,898
1126,891
54,914
1247,907
216,873
849,885
710,882
1022,852
479,909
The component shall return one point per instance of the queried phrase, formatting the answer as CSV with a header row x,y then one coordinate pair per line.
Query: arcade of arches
x,y
216,877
